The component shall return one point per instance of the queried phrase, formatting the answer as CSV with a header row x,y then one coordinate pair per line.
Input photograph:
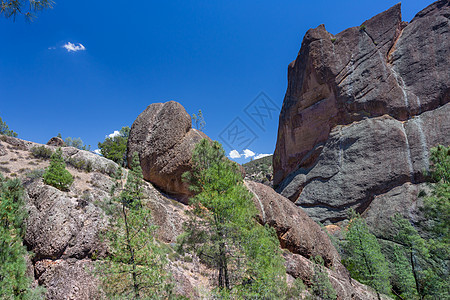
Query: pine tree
x,y
114,148
223,230
363,257
4,129
136,266
321,285
14,283
56,174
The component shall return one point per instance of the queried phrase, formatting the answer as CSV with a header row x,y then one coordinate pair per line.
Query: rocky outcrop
x,y
296,231
361,111
164,138
63,229
346,288
56,141
303,240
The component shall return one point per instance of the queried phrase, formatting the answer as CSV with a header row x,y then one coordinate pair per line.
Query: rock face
x,y
56,141
362,109
63,228
164,138
304,239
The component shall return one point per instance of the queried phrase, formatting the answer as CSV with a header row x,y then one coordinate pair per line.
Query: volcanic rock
x,y
362,109
296,231
164,139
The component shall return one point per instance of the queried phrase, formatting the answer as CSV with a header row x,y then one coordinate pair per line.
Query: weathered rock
x,y
59,226
68,279
382,67
346,288
56,141
403,200
365,159
164,138
362,109
296,231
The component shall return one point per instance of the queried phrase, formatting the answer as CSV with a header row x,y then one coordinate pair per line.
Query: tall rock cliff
x,y
361,111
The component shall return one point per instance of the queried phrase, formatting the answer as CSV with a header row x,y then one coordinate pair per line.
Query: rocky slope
x,y
361,111
64,228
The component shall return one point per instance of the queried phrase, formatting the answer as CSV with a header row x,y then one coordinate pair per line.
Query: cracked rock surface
x,y
362,110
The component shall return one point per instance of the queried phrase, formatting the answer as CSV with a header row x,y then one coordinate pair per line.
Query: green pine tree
x,y
363,257
223,230
56,174
4,129
321,285
114,148
136,266
14,283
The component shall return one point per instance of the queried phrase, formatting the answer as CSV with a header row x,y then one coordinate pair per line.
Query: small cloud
x,y
248,153
51,48
114,134
97,151
74,47
262,155
234,154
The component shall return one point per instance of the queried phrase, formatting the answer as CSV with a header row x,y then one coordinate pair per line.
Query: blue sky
x,y
223,57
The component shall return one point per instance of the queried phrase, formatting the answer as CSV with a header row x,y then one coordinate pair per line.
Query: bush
x,y
56,174
41,152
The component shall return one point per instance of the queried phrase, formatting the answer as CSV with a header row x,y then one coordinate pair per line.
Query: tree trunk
x,y
132,259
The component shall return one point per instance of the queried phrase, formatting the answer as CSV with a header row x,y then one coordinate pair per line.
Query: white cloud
x,y
97,151
248,153
261,155
234,154
114,134
51,48
74,47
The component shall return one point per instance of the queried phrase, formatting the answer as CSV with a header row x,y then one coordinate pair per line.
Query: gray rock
x,y
362,110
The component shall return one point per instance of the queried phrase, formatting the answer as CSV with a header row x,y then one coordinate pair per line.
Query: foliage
x,y
80,164
259,170
321,285
12,8
56,174
223,230
198,120
14,283
41,152
440,160
363,257
4,129
115,147
76,143
421,262
136,266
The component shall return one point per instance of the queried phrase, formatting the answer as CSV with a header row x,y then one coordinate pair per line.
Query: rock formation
x,y
63,228
56,141
362,109
164,138
304,240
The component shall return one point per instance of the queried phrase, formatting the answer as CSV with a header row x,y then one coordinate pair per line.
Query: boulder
x,y
296,231
68,279
56,141
361,111
346,288
163,137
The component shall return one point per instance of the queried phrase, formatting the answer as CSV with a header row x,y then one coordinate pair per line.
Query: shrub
x,y
41,152
56,174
